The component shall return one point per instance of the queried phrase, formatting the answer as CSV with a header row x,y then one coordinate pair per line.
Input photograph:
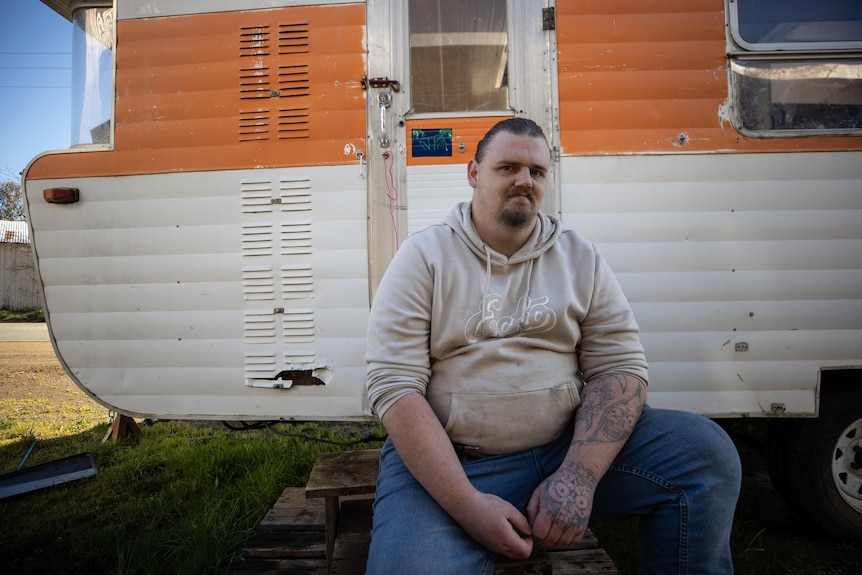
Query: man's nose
x,y
524,179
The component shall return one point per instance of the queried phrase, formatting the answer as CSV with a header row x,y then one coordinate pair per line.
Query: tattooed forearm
x,y
610,406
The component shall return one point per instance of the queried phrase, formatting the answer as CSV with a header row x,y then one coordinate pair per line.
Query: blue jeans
x,y
678,472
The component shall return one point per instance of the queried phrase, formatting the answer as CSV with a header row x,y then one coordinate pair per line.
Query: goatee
x,y
522,216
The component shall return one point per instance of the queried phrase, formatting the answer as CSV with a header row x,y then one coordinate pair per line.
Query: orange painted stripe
x,y
635,76
181,82
636,7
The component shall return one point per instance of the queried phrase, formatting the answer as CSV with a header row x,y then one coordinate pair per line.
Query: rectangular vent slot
x,y
295,195
293,123
259,327
295,238
254,41
254,125
257,239
298,359
256,196
293,38
293,81
260,364
298,326
297,281
258,283
254,82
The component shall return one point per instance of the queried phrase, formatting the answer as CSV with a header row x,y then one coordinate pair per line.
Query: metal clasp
x,y
384,82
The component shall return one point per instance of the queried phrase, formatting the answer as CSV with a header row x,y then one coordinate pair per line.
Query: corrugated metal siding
x,y
243,89
19,288
14,232
713,250
173,294
651,77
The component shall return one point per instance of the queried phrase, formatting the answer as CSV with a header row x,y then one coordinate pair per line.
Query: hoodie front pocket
x,y
504,423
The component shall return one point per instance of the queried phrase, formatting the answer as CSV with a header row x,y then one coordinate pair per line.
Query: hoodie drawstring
x,y
486,289
485,315
523,320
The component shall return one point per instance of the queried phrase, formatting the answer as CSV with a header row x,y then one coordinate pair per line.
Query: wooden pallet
x,y
290,540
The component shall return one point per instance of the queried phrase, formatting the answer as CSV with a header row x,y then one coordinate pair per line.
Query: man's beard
x,y
518,218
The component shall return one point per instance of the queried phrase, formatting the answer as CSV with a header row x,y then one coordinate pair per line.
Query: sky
x,y
35,83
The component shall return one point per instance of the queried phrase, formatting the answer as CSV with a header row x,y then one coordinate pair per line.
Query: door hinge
x,y
549,19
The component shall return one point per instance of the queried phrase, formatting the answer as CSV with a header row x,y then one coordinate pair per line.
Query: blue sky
x,y
35,80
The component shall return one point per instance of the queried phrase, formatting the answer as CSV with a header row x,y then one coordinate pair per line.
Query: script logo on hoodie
x,y
529,316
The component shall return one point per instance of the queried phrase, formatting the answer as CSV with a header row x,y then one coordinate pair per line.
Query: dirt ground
x,y
29,371
32,379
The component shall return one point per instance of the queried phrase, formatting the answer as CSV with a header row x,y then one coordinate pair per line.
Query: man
x,y
505,364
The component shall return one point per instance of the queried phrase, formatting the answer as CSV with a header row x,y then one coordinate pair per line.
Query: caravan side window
x,y
796,66
458,55
92,75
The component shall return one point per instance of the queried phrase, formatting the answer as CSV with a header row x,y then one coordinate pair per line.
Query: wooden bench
x,y
326,529
354,473
336,475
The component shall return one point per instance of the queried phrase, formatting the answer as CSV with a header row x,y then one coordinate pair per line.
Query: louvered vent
x,y
296,282
258,283
275,85
255,83
260,327
278,282
298,326
256,196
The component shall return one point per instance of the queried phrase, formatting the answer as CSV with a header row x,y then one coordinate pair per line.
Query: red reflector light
x,y
61,195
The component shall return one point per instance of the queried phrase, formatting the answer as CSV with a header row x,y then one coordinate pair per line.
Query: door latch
x,y
385,100
384,82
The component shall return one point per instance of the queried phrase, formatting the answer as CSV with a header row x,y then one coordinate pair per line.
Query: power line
x,y
37,87
36,53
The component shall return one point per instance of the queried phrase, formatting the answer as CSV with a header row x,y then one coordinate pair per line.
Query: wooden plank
x,y
293,512
538,563
290,538
582,562
280,567
344,473
285,545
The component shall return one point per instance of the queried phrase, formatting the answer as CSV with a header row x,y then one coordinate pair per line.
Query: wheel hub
x,y
847,465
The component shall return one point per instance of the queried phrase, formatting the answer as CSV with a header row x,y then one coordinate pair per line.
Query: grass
x,y
189,494
186,498
182,500
30,315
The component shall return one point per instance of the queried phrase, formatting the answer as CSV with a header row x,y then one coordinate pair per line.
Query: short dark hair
x,y
515,126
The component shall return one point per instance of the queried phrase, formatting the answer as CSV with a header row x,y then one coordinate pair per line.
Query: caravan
x,y
243,170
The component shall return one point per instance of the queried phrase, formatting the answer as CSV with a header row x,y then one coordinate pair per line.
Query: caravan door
x,y
440,74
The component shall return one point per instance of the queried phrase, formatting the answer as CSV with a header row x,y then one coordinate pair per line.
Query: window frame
x,y
743,46
740,51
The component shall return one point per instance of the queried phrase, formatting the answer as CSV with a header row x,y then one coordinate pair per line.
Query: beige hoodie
x,y
500,347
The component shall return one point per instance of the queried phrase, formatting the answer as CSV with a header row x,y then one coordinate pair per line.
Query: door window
x,y
458,55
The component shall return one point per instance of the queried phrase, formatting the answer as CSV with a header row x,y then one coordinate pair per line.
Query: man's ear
x,y
472,173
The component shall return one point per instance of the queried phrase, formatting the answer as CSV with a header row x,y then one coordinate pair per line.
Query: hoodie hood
x,y
544,236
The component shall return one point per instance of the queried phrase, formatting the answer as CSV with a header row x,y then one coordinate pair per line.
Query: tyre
x,y
816,464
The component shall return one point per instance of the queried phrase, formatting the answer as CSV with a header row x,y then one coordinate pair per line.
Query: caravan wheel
x,y
847,464
817,464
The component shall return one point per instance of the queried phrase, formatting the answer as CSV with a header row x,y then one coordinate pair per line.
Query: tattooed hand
x,y
559,510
